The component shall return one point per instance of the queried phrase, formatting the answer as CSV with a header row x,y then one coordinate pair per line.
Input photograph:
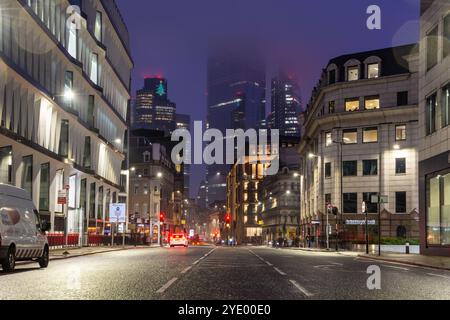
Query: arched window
x,y
352,70
332,73
372,67
401,232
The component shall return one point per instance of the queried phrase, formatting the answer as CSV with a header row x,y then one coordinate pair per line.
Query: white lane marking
x,y
167,285
195,262
301,289
268,263
438,275
279,271
394,267
186,270
337,263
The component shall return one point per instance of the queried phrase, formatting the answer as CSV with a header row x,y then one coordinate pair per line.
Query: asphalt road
x,y
220,273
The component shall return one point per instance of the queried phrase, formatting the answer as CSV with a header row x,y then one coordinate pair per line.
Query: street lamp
x,y
159,175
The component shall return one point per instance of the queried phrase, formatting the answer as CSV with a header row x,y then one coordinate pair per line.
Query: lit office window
x,y
94,68
400,132
373,71
372,102
68,88
370,135
352,104
350,136
328,139
353,73
98,30
64,139
72,39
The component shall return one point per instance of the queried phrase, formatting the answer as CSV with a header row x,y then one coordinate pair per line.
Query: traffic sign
x,y
62,197
117,212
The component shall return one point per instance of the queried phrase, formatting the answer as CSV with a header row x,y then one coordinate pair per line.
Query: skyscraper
x,y
236,99
183,121
153,109
286,106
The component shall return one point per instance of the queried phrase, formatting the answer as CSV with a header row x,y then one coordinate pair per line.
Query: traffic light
x,y
161,217
228,218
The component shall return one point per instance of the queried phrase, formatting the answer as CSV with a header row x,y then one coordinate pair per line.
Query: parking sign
x,y
117,212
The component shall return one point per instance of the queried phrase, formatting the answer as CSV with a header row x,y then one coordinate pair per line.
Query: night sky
x,y
170,38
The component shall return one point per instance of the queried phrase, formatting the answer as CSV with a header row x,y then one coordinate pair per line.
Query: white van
x,y
22,234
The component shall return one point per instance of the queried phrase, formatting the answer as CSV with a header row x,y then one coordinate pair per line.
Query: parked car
x,y
22,233
178,240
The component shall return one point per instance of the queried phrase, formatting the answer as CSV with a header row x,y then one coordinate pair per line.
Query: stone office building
x,y
64,92
434,129
359,139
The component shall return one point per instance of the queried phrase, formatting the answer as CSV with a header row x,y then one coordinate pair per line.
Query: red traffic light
x,y
161,217
228,218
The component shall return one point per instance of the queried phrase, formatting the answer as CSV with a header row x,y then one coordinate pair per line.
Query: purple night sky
x,y
170,38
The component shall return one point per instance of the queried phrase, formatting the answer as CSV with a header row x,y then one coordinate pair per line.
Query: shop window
x,y
438,210
100,212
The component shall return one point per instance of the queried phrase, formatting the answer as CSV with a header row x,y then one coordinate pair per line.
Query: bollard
x,y
407,248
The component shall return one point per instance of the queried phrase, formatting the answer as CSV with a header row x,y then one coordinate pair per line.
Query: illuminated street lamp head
x,y
159,175
296,175
218,173
396,147
118,141
311,155
133,169
288,192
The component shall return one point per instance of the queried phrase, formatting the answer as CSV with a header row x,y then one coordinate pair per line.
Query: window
x,y
446,36
400,132
373,71
87,152
68,88
146,156
328,139
430,114
370,167
72,201
332,76
331,107
91,111
402,98
353,73
64,139
372,102
350,136
350,168
100,204
370,135
400,202
83,200
432,48
94,68
136,188
145,173
401,232
27,174
59,185
6,165
446,105
438,209
367,198
98,29
327,199
350,202
328,170
352,104
72,38
44,187
145,190
400,166
92,201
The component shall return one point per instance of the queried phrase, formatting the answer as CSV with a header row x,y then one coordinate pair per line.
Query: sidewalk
x,y
442,263
60,254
